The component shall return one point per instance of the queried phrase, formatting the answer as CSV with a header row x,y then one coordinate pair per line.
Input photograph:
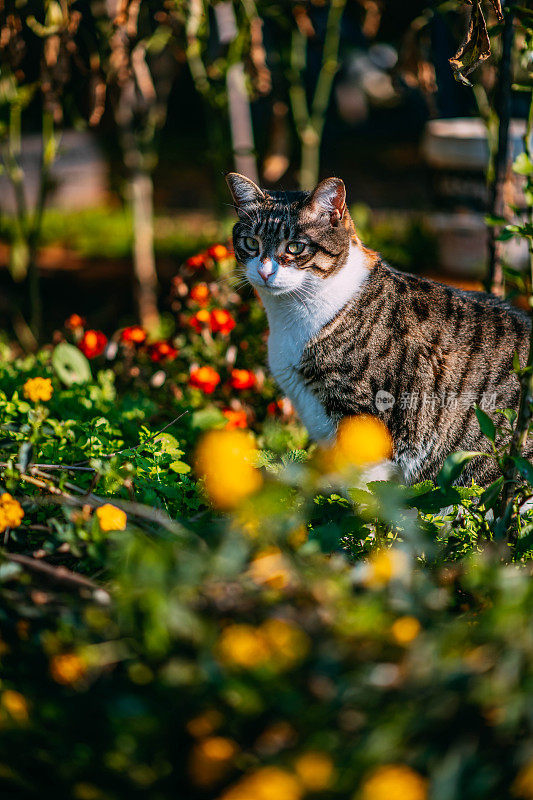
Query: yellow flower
x,y
394,782
270,568
267,783
243,646
224,459
67,668
383,566
360,440
111,518
523,783
315,770
405,629
11,513
38,389
15,704
210,759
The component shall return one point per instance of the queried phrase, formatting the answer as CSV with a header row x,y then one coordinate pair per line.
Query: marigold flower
x,y
224,459
243,646
218,252
394,782
270,568
384,565
196,261
200,293
235,419
38,389
265,783
315,770
204,378
242,379
405,629
222,321
205,723
200,320
15,704
67,668
74,322
523,783
135,334
360,440
162,351
111,518
92,343
11,512
288,643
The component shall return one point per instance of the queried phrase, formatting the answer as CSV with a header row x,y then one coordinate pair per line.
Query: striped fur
x,y
418,354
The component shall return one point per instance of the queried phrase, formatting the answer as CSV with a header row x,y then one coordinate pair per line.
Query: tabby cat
x,y
351,335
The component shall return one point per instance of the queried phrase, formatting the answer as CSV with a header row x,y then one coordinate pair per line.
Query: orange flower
x,y
204,378
221,321
93,343
111,518
74,321
242,379
200,293
135,334
236,419
38,389
200,320
218,252
67,668
196,261
162,351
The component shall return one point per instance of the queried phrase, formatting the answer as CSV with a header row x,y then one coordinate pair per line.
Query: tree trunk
x,y
142,206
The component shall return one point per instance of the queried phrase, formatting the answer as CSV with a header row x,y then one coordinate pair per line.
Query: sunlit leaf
x,y
475,48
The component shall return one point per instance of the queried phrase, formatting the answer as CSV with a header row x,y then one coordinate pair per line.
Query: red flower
x,y
162,351
133,335
221,321
242,379
236,419
74,321
200,293
204,378
218,252
200,320
92,343
196,261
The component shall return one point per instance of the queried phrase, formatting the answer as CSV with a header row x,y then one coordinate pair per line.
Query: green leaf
x,y
454,465
522,165
206,418
487,426
70,364
490,496
180,467
524,467
167,444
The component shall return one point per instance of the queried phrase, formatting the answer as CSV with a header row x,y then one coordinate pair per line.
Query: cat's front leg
x,y
320,426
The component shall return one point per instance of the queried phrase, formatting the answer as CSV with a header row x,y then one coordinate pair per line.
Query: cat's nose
x,y
266,269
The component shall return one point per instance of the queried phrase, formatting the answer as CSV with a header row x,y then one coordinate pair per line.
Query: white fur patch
x,y
298,307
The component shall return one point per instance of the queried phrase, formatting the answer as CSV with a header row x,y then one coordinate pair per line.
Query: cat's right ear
x,y
243,190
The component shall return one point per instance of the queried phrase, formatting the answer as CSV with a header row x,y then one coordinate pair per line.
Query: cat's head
x,y
287,240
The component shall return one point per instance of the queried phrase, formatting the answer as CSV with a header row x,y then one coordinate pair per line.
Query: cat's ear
x,y
243,190
329,198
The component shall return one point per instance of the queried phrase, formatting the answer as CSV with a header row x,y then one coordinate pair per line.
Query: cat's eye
x,y
295,248
251,244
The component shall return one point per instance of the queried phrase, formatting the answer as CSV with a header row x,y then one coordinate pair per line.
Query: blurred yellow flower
x,y
204,723
11,513
111,518
224,459
38,389
360,441
67,668
315,770
267,783
210,759
394,782
287,643
270,568
405,629
384,565
523,783
298,536
242,646
15,704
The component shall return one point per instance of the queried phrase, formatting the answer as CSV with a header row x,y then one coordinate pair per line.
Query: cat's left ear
x,y
329,197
